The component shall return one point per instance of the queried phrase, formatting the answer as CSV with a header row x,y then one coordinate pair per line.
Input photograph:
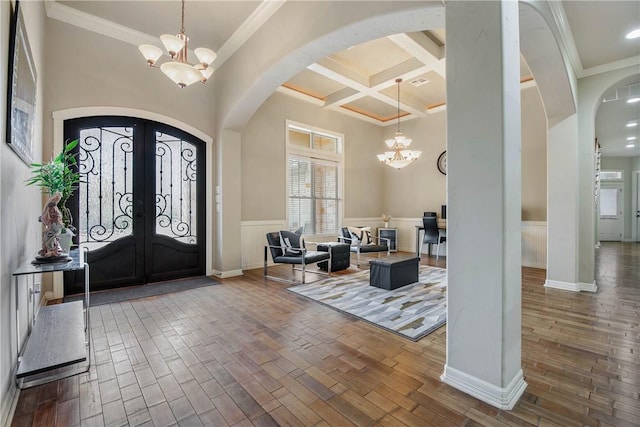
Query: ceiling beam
x,y
424,49
405,70
358,89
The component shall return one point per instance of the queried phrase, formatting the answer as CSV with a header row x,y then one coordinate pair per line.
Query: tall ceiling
x,y
360,81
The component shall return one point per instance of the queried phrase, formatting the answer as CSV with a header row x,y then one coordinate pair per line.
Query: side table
x,y
392,235
58,343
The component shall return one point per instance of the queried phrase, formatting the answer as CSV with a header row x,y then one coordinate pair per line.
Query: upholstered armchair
x,y
286,249
364,243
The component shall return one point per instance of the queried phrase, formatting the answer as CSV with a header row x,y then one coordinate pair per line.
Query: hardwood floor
x,y
248,352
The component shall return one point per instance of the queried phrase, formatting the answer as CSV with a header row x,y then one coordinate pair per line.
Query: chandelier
x,y
399,154
179,70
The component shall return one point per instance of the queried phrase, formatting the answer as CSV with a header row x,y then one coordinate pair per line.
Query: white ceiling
x,y
360,81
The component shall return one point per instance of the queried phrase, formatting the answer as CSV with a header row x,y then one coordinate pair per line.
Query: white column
x,y
563,207
484,201
227,261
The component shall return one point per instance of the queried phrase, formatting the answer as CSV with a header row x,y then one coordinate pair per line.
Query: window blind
x,y
313,195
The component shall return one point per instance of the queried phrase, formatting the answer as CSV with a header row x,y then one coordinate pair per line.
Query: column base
x,y
569,286
502,398
225,274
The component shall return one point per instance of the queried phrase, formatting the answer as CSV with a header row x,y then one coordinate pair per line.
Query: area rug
x,y
412,311
143,291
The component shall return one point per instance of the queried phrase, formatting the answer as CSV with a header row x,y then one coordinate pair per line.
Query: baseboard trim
x,y
588,287
226,274
502,398
568,286
9,405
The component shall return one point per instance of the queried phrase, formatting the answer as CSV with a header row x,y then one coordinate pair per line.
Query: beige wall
x,y
534,156
420,186
88,69
371,188
21,205
264,159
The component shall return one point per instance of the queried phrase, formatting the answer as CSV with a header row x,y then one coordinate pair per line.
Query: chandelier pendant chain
x,y
398,116
182,21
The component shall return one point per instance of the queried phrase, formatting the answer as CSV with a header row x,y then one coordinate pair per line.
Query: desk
x,y
59,338
442,226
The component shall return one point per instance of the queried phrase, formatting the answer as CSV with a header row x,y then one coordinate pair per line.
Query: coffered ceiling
x,y
360,81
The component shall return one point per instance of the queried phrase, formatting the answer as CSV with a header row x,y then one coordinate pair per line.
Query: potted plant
x,y
59,176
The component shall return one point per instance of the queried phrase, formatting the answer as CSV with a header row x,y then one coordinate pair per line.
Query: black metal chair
x,y
300,256
432,235
356,246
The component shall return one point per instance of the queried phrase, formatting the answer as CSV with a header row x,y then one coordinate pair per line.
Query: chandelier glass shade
x,y
399,155
178,69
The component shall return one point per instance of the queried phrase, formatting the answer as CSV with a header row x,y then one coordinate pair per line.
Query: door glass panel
x,y
609,201
176,202
105,161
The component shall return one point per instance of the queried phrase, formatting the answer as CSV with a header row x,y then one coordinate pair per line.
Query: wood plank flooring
x,y
248,352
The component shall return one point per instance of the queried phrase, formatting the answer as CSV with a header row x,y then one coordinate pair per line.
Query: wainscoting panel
x,y
253,240
534,244
534,238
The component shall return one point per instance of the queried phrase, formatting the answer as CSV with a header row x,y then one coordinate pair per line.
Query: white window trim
x,y
604,171
309,153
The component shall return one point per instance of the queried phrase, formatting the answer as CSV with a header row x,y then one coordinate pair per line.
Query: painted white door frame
x,y
635,206
611,227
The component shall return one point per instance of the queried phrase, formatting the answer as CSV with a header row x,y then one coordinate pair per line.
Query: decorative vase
x,y
65,241
386,225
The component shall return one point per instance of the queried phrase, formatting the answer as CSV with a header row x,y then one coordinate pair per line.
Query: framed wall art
x,y
21,90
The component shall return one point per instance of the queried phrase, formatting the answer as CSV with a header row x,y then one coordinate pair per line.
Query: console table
x,y
58,343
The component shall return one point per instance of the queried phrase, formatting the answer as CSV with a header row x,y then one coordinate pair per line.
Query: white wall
x,y
590,90
20,206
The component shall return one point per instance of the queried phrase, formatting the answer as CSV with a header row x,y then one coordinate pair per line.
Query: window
x,y
611,176
314,171
609,201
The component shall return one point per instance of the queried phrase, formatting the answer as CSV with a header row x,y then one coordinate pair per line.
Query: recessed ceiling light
x,y
631,145
633,34
632,124
631,138
632,100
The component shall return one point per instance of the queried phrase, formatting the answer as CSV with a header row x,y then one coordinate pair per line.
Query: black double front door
x,y
139,209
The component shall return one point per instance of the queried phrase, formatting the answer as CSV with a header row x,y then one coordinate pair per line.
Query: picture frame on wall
x,y
21,90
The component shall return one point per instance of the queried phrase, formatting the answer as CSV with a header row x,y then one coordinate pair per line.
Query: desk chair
x,y
432,235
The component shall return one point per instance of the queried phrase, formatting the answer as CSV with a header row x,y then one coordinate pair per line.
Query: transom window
x,y
314,179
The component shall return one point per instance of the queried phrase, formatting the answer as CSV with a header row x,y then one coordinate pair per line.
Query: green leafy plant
x,y
58,175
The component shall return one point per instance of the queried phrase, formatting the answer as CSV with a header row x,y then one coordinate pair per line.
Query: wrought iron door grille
x,y
106,191
176,179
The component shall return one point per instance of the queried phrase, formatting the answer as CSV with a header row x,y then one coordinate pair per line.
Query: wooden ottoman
x,y
393,273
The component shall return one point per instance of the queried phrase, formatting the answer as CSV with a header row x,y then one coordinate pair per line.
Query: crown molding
x,y
568,44
611,66
256,20
116,31
98,25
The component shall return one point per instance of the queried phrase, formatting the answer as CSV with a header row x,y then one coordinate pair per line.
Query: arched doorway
x,y
139,209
